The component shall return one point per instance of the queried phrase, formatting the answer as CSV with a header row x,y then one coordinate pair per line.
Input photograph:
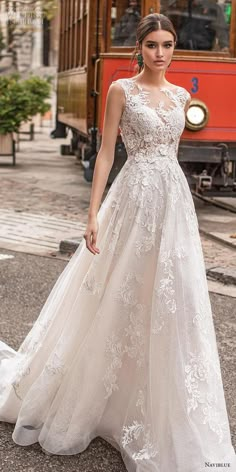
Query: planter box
x,y
7,146
26,128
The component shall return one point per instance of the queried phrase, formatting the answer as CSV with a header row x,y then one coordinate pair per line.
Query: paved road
x,y
26,280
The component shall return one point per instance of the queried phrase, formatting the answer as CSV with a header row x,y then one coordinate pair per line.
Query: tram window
x,y
83,55
125,16
201,25
73,37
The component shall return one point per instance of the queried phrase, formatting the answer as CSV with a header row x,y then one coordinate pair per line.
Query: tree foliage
x,y
20,100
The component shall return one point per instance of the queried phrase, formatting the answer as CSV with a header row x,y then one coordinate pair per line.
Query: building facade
x,y
31,39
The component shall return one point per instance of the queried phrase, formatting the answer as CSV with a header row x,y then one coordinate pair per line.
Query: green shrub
x,y
39,91
21,100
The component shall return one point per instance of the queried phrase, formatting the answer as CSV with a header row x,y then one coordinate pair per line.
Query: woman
x,y
125,347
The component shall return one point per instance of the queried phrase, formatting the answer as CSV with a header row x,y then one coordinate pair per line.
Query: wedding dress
x,y
124,347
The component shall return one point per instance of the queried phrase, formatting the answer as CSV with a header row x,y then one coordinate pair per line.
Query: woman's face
x,y
157,49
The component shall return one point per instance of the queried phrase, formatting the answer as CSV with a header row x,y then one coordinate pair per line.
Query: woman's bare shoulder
x,y
118,89
116,95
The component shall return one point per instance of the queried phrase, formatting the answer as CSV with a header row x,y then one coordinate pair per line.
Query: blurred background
x,y
29,40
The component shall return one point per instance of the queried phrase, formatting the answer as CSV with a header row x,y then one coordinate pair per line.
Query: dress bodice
x,y
151,126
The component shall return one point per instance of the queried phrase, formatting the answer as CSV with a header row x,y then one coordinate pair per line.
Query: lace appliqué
x,y
138,432
92,285
127,292
130,339
23,372
199,370
151,136
115,351
164,290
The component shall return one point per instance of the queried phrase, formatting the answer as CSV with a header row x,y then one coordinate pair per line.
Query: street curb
x,y
216,238
217,203
224,275
69,245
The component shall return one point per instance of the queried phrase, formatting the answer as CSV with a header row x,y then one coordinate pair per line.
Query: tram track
x,y
222,205
217,226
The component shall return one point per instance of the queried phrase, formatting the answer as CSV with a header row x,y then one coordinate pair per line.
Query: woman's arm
x,y
114,107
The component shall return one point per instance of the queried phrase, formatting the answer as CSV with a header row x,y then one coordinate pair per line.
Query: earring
x,y
140,59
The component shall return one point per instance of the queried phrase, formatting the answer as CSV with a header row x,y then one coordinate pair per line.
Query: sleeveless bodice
x,y
151,126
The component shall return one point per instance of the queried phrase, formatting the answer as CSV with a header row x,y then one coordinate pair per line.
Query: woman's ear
x,y
138,47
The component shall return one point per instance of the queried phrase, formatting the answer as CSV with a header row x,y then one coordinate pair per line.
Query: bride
x,y
124,347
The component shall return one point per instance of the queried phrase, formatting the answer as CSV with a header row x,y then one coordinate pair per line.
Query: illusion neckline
x,y
142,89
164,89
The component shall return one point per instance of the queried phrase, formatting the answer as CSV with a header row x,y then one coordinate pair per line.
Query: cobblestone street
x,y
45,183
44,199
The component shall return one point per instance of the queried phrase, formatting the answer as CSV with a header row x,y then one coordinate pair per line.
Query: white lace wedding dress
x,y
125,347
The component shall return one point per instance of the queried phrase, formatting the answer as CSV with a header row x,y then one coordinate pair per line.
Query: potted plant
x,y
39,91
20,100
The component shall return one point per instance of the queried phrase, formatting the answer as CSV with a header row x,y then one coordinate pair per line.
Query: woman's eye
x,y
151,46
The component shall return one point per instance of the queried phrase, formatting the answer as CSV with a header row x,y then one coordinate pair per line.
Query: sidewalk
x,y
43,181
43,199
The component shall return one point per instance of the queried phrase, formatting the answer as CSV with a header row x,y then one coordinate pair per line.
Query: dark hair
x,y
150,23
154,22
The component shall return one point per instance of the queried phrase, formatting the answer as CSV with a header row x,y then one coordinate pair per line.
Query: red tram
x,y
97,39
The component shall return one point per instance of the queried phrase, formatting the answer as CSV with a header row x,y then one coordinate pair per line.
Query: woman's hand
x,y
90,235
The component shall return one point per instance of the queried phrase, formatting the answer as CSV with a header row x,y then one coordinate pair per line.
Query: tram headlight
x,y
197,115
